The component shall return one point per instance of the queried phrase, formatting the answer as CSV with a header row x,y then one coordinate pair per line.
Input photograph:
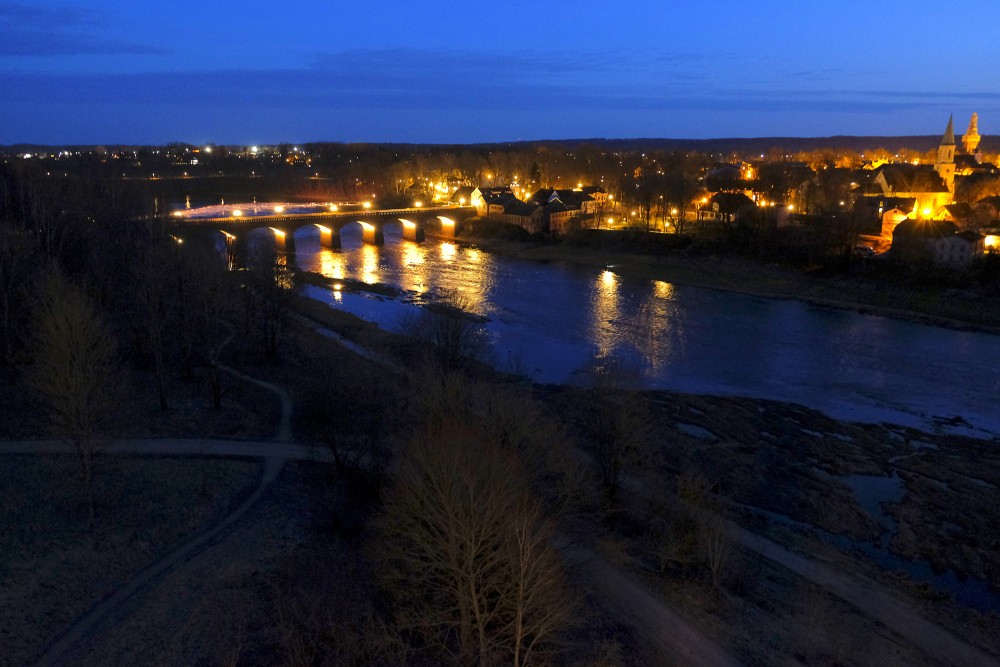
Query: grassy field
x,y
53,568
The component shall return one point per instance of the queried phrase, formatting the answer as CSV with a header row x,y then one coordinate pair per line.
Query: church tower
x,y
970,140
945,166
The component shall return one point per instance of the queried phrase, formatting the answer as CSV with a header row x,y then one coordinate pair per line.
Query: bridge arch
x,y
329,235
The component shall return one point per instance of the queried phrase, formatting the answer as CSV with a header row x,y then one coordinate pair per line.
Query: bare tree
x,y
76,374
620,426
151,289
716,545
456,336
16,267
466,552
698,503
268,285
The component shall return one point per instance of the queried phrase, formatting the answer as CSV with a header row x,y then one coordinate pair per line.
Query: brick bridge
x,y
415,222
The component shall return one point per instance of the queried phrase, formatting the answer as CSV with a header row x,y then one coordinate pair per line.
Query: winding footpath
x,y
275,454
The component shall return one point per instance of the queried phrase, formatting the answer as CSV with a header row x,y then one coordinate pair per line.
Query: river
x,y
553,321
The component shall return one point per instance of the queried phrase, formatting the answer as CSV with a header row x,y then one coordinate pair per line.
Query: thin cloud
x,y
34,31
361,82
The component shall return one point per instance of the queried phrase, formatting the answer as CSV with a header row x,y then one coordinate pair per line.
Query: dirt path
x,y
873,600
183,553
84,625
668,632
262,449
284,433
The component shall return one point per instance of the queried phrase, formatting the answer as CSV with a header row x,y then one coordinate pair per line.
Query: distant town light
x,y
418,204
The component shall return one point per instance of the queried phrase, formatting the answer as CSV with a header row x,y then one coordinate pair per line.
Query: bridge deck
x,y
322,215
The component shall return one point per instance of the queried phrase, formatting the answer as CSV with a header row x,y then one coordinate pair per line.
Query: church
x,y
893,192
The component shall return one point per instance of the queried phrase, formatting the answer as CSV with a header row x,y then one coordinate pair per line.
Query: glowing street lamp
x,y
367,204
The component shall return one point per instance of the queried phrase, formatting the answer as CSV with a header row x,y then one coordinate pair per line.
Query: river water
x,y
552,321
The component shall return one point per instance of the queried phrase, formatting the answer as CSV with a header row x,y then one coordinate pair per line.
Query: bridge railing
x,y
321,215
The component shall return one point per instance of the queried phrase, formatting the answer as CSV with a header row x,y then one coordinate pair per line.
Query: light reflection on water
x,y
604,308
557,320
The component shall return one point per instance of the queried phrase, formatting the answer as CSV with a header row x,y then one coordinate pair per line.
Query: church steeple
x,y
949,133
945,166
970,140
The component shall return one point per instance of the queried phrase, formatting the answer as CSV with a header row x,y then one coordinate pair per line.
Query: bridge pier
x,y
329,237
236,249
412,232
283,241
371,234
448,227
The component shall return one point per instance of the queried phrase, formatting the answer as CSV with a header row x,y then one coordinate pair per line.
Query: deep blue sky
x,y
264,71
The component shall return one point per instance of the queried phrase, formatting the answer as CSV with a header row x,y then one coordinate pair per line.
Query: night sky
x,y
266,71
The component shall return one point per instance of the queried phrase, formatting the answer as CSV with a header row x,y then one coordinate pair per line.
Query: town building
x,y
726,207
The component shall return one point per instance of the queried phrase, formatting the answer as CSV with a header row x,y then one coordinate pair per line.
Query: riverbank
x,y
937,307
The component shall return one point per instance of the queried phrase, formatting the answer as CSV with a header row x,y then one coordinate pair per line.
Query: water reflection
x,y
657,330
605,314
414,255
463,276
330,263
369,264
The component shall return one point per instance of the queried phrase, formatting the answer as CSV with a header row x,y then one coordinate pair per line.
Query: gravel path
x,y
873,600
673,636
